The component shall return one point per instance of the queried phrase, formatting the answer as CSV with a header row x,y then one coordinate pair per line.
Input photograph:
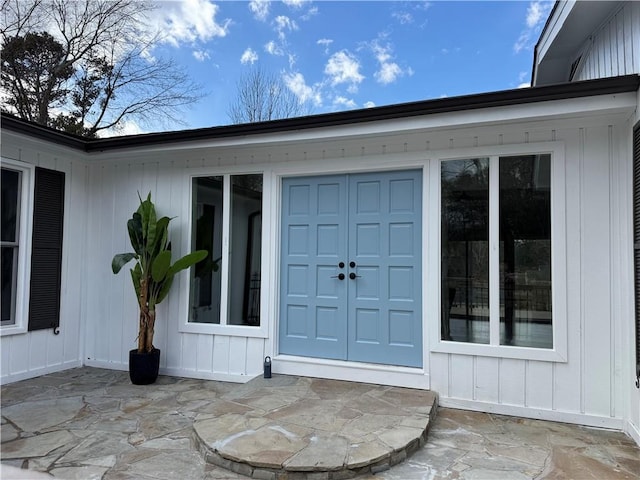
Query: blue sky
x,y
339,55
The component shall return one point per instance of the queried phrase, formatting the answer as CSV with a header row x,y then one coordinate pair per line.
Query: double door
x,y
350,268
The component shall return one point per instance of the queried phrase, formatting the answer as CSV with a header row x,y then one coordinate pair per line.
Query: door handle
x,y
340,276
353,276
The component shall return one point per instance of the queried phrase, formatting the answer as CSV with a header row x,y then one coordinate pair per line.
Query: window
x,y
499,296
11,195
227,222
15,234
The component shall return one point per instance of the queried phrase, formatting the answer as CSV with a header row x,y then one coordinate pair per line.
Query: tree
x,y
263,96
85,66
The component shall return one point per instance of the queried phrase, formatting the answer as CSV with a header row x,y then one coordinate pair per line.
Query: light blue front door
x,y
351,274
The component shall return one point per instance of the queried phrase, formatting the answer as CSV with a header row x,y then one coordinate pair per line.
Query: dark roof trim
x,y
606,86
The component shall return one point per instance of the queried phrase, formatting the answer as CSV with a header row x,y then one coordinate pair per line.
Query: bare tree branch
x,y
105,43
262,96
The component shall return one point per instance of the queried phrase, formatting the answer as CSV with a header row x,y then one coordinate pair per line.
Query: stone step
x,y
306,428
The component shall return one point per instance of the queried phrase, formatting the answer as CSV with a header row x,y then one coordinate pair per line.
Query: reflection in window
x,y
11,183
465,253
207,235
525,251
244,230
244,250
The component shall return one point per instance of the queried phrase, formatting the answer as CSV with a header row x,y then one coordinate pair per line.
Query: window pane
x,y
207,235
10,199
9,275
244,250
465,250
525,251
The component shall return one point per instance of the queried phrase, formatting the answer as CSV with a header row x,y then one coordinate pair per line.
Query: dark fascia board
x,y
606,86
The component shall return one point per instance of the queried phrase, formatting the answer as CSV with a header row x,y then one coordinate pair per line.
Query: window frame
x,y
223,328
558,255
25,228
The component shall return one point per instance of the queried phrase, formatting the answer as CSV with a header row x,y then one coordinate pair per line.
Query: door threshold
x,y
391,375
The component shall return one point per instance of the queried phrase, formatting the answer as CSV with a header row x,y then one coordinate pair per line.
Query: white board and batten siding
x,y
591,386
112,331
30,354
99,321
614,49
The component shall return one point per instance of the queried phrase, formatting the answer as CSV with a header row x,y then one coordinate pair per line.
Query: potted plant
x,y
152,277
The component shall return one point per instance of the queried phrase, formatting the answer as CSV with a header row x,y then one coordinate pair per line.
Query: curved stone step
x,y
295,427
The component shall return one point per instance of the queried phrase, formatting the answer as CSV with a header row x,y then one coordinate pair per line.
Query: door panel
x,y
384,308
373,220
313,304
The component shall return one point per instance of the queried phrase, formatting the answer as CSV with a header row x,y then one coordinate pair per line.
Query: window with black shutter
x,y
46,250
636,241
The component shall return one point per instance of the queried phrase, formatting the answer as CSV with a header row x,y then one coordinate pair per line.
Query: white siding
x,y
590,387
31,354
614,49
593,386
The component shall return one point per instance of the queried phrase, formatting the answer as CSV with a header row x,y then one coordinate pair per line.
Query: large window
x,y
227,222
11,195
501,295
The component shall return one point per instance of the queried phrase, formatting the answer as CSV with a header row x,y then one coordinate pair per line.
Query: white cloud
x,y
305,93
524,85
369,104
273,48
325,42
123,128
313,11
403,18
344,102
343,67
537,14
295,3
249,56
200,55
284,24
189,21
260,9
388,71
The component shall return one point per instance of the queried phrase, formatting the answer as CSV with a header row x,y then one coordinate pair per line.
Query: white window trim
x,y
222,328
558,256
24,247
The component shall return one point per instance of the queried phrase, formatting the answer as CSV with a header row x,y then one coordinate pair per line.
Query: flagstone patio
x,y
91,423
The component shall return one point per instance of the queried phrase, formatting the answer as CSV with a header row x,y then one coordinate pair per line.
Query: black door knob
x,y
352,264
341,265
353,276
340,276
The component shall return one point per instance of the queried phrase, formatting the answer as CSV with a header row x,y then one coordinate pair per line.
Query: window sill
x,y
228,330
12,330
499,351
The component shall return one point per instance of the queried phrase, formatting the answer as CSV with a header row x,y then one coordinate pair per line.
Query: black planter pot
x,y
143,367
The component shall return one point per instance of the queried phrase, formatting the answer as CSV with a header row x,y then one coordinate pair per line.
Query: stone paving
x,y
93,424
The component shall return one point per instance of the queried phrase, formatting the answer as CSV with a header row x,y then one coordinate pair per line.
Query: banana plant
x,y
153,272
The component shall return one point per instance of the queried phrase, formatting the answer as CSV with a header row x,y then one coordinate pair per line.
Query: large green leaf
x,y
134,226
152,227
160,266
136,277
120,260
144,211
188,260
164,290
162,235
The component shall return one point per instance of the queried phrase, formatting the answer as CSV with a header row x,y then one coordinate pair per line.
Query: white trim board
x,y
533,413
351,371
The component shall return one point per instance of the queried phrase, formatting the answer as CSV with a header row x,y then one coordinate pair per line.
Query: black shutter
x,y
46,250
636,239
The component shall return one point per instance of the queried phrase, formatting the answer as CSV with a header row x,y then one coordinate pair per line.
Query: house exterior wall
x,y
614,49
30,354
592,385
589,387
